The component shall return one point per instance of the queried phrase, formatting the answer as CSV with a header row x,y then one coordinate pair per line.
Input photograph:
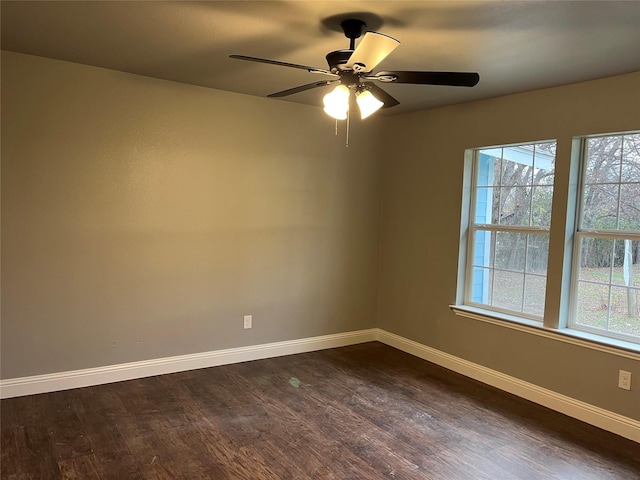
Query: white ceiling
x,y
515,46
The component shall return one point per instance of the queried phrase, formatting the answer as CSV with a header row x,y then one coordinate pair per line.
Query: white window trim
x,y
600,343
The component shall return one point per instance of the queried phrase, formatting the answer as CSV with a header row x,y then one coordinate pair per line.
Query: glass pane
x,y
507,290
484,205
517,165
481,285
482,248
534,294
544,164
600,207
497,167
625,311
503,180
488,168
510,249
631,158
541,206
495,206
593,305
626,266
603,159
595,259
515,206
629,216
537,254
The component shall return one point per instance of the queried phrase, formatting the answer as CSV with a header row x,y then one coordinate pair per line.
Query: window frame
x,y
472,228
576,241
563,259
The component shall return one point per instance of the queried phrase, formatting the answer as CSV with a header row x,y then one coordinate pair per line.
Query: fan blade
x,y
282,64
301,88
372,49
381,95
454,79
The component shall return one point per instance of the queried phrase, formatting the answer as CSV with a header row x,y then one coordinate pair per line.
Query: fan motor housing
x,y
338,59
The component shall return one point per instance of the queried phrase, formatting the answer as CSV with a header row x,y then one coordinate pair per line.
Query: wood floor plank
x,y
67,434
109,453
362,412
263,416
365,442
27,448
80,468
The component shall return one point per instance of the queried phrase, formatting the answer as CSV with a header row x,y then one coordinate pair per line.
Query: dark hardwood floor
x,y
361,412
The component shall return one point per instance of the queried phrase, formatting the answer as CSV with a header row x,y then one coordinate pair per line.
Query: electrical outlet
x,y
248,320
624,380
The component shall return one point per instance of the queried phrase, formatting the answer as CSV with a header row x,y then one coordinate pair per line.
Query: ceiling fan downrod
x,y
353,28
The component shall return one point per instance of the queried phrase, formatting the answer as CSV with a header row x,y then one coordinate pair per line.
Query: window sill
x,y
566,335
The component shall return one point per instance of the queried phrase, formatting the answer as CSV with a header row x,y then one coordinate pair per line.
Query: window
x,y
606,289
508,233
509,228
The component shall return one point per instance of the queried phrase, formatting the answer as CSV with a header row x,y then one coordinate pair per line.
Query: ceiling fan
x,y
353,67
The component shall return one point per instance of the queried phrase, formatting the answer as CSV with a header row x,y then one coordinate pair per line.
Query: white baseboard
x,y
17,387
599,417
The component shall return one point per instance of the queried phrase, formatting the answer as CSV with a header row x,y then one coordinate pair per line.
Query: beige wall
x,y
143,218
422,197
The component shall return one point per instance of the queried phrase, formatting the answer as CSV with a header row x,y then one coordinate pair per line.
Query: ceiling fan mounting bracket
x,y
353,28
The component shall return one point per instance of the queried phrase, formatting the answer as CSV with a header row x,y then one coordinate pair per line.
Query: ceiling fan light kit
x,y
353,67
367,103
336,102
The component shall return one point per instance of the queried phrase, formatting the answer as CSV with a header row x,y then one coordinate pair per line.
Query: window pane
x,y
625,311
510,248
504,178
541,206
631,158
481,284
595,259
626,265
611,199
482,249
517,166
484,205
600,207
515,206
544,163
534,294
508,290
537,254
498,277
488,167
629,215
603,159
593,305
609,285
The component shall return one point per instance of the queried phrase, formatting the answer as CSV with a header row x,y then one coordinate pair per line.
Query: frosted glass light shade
x,y
336,102
367,103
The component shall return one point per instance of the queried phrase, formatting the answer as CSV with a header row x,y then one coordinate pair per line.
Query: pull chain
x,y
348,117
